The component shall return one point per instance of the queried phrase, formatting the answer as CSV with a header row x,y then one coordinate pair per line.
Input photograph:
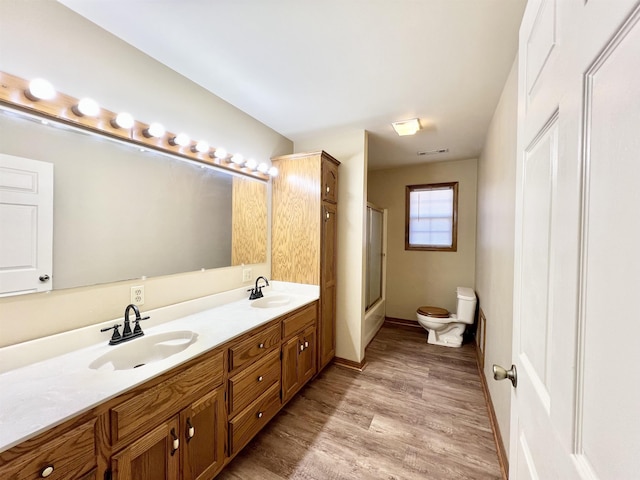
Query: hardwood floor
x,y
416,412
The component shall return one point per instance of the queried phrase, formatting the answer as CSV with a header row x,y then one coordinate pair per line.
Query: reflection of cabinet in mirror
x,y
304,234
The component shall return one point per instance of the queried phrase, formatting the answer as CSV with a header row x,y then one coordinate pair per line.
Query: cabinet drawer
x,y
249,384
68,456
164,399
248,422
253,348
299,320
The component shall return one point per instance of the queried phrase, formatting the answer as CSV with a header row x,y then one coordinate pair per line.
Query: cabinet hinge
x,y
280,354
107,475
225,395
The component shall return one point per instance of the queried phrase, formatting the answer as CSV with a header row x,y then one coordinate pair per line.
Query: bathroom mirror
x,y
121,213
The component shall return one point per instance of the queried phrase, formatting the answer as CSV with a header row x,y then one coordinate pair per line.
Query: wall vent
x,y
434,152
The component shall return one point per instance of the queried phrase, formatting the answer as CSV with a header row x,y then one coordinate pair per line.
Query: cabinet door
x,y
290,381
329,181
203,431
152,457
327,320
307,357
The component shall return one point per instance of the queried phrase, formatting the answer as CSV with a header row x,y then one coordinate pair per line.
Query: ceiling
x,y
315,67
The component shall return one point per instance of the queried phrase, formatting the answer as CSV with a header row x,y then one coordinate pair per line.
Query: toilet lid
x,y
435,312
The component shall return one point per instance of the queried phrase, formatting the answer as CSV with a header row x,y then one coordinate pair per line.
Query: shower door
x,y
374,255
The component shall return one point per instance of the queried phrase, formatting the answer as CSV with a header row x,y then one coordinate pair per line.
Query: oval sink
x,y
142,351
271,301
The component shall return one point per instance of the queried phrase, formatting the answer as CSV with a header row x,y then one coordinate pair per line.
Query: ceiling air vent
x,y
434,152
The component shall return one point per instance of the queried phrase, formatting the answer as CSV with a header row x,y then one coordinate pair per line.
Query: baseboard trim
x,y
497,437
401,322
350,364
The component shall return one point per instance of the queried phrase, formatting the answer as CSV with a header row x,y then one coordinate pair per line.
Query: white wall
x,y
495,243
45,39
350,148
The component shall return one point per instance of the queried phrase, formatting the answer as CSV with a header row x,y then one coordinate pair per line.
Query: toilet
x,y
447,328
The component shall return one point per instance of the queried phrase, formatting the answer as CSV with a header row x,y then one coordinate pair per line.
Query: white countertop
x,y
48,381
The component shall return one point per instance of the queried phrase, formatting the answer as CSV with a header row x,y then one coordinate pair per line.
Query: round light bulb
x,y
263,168
154,130
237,158
220,153
87,107
273,171
40,89
181,139
251,164
202,147
124,120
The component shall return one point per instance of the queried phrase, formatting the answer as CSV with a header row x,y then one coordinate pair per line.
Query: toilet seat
x,y
433,312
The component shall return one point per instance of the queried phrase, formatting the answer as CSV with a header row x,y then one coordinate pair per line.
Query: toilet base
x,y
447,340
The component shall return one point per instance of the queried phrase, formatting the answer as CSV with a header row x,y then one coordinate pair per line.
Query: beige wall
x,y
495,243
45,39
416,278
350,148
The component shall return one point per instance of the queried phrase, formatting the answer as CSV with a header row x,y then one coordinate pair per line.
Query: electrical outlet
x,y
246,275
137,295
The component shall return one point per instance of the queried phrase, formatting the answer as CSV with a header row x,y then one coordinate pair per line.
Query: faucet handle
x,y
116,334
137,330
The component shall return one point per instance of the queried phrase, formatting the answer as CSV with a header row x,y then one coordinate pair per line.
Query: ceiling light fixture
x,y
406,127
40,89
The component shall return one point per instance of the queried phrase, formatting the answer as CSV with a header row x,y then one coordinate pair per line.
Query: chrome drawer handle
x,y
46,471
260,378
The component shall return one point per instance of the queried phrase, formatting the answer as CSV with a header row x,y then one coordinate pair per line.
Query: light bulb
x,y
273,171
86,107
40,89
263,168
251,164
154,130
220,153
181,139
201,147
237,158
123,120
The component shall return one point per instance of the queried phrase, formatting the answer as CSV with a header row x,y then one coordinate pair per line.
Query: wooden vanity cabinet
x,y
304,234
60,453
298,350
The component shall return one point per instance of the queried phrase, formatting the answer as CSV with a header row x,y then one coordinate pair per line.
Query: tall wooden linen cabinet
x,y
304,234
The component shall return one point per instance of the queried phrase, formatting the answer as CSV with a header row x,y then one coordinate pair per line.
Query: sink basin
x,y
142,351
272,301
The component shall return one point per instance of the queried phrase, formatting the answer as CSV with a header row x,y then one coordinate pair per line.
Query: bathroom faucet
x,y
257,291
127,334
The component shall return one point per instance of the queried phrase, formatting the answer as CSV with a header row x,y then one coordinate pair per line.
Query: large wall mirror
x,y
121,213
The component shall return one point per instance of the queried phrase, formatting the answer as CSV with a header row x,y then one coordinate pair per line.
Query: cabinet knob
x,y
261,345
328,189
302,347
306,344
176,441
260,378
46,471
259,415
190,430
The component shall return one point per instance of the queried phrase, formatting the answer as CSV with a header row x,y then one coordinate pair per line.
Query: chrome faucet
x,y
257,291
127,333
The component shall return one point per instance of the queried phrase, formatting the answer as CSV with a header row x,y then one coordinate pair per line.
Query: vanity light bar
x,y
39,97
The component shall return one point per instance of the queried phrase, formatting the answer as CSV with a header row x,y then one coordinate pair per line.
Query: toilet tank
x,y
466,307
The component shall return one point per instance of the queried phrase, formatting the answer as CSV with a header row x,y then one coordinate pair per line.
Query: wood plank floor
x,y
416,412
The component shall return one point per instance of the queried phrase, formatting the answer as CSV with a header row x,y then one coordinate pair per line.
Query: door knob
x,y
499,373
44,278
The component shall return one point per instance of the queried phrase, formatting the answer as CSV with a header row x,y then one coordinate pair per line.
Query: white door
x,y
26,225
576,408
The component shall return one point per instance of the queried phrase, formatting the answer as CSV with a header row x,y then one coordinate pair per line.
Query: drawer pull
x,y
190,430
176,441
328,189
46,471
260,378
259,415
261,345
306,344
302,347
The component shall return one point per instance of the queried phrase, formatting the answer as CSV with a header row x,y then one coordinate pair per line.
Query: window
x,y
432,217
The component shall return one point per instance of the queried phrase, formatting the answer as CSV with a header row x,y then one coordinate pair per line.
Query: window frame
x,y
454,232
